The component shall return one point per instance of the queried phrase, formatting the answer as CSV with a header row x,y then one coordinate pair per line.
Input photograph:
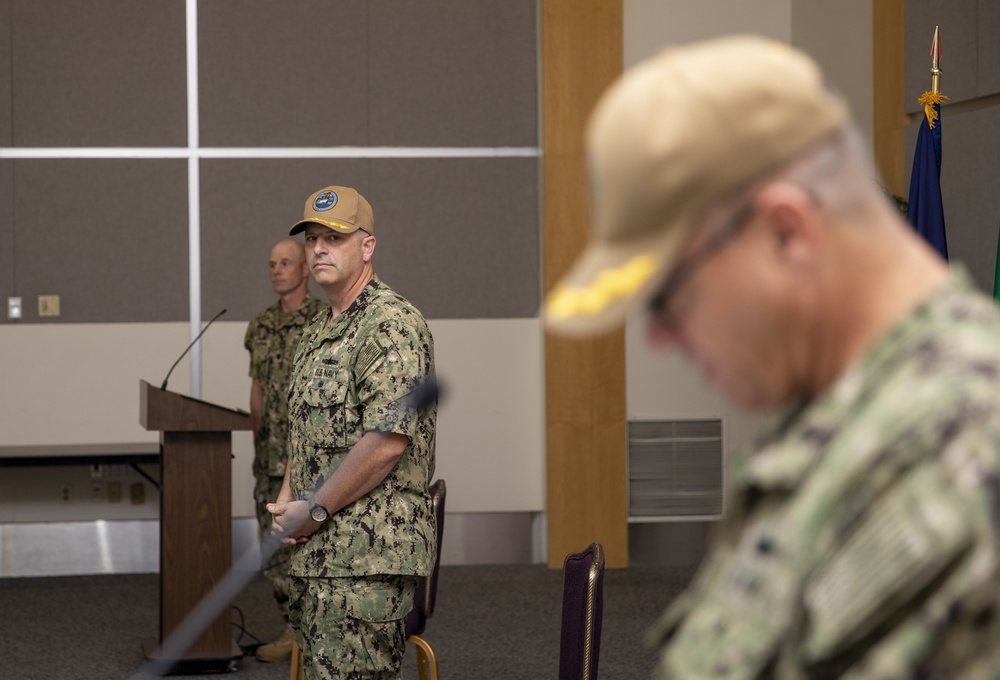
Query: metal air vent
x,y
675,470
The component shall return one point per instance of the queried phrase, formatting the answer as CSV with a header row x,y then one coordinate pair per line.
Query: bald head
x,y
289,272
288,248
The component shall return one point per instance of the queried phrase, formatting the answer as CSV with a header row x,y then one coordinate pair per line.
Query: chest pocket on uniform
x,y
335,418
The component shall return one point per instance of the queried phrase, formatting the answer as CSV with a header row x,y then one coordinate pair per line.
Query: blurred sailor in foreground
x,y
734,202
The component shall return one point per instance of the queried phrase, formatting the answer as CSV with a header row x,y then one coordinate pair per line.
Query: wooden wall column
x,y
586,433
888,81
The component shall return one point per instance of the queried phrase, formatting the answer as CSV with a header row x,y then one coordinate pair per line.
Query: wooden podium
x,y
195,518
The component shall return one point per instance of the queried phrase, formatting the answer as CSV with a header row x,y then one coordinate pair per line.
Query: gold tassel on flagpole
x,y
929,99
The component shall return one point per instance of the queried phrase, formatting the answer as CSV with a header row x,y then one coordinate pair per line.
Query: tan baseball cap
x,y
670,139
340,208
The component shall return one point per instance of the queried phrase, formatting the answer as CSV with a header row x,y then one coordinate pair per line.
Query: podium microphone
x,y
196,339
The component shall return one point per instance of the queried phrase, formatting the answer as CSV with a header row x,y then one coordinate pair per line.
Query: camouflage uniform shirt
x,y
271,341
861,540
352,374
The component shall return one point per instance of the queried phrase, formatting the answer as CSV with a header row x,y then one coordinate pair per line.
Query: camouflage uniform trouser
x,y
275,569
352,628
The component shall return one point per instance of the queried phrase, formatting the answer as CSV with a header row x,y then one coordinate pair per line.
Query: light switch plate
x,y
14,309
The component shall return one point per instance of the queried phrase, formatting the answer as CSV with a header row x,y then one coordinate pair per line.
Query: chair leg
x,y
297,671
427,661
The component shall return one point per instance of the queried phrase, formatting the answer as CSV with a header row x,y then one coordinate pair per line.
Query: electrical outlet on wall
x,y
48,305
66,494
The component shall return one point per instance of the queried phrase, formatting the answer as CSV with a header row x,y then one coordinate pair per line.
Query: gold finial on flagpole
x,y
933,97
935,69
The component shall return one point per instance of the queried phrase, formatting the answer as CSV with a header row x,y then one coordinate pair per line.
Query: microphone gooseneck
x,y
184,353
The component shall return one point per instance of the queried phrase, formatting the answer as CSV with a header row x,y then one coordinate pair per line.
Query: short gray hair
x,y
839,173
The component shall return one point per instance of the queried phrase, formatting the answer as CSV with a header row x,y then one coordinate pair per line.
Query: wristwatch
x,y
319,513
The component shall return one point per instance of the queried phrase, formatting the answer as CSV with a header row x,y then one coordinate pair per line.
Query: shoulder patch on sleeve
x,y
369,355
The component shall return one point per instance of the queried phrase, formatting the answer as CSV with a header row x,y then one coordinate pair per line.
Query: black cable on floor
x,y
241,627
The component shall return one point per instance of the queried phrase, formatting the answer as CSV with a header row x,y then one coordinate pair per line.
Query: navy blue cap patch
x,y
325,201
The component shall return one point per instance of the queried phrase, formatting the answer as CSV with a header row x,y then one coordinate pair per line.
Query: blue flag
x,y
925,210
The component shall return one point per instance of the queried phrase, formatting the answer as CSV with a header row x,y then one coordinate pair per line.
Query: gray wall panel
x,y
989,48
109,73
447,73
246,207
462,235
108,236
460,238
6,132
970,171
283,73
957,20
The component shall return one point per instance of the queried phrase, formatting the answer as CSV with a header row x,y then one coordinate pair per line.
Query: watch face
x,y
319,513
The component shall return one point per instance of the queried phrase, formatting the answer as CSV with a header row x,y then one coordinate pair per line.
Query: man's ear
x,y
368,247
794,220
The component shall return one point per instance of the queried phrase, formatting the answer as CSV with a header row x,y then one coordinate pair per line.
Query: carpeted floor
x,y
491,622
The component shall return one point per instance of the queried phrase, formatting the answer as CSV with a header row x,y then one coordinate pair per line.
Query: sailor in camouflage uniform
x,y
734,198
355,498
271,339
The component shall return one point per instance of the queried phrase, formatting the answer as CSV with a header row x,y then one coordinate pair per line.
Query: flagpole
x,y
933,96
924,208
935,69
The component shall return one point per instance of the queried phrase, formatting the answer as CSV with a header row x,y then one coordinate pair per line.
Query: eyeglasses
x,y
661,306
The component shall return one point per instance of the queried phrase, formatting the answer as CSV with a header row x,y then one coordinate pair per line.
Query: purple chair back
x,y
582,612
426,597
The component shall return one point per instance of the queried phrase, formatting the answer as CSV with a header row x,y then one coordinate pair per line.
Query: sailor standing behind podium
x,y
272,338
355,500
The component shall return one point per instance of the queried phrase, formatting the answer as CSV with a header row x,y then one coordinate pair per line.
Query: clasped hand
x,y
291,521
